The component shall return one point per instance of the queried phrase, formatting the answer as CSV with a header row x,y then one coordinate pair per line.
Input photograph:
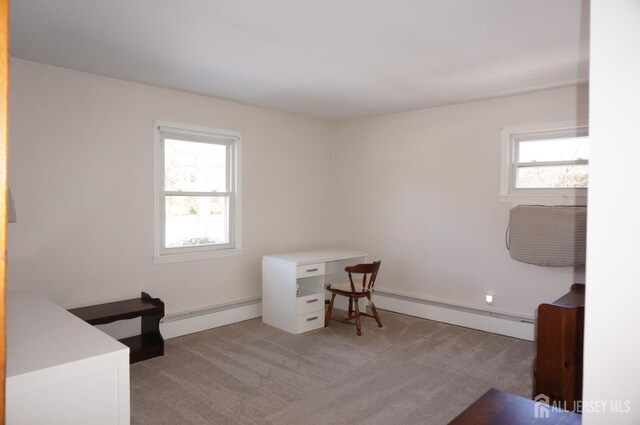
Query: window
x,y
545,164
197,193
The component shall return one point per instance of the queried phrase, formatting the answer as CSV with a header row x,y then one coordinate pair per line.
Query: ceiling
x,y
330,59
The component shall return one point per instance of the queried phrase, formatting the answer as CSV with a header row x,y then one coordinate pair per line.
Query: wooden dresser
x,y
559,348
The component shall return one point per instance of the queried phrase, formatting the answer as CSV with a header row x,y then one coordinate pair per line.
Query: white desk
x,y
293,286
61,370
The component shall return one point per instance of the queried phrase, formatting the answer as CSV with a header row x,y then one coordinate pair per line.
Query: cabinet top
x,y
42,335
316,256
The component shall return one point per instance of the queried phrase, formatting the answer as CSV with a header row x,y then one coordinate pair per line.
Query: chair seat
x,y
346,287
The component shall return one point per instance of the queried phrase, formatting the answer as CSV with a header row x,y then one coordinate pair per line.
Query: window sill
x,y
565,200
194,256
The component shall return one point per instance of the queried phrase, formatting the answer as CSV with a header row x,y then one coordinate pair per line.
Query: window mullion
x,y
552,163
183,193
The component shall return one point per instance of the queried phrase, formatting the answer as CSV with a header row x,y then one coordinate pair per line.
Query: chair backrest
x,y
369,270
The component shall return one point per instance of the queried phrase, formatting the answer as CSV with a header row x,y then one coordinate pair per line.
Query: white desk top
x,y
41,334
317,256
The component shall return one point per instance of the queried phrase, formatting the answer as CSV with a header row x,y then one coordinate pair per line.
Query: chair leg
x,y
350,315
328,316
357,317
375,312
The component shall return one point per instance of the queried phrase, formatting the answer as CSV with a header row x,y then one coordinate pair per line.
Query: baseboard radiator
x,y
178,324
501,323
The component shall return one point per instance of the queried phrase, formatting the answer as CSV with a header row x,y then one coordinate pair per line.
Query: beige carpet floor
x,y
412,371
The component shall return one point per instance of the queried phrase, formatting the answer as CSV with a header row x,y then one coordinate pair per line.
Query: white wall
x,y
81,169
612,337
419,190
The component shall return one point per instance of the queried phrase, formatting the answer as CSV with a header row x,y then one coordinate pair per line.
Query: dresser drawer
x,y
310,321
310,303
310,270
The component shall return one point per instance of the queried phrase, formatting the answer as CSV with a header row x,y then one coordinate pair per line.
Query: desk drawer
x,y
310,270
310,303
310,321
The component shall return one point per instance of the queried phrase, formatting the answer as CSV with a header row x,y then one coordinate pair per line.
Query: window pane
x,y
566,149
553,176
195,167
196,220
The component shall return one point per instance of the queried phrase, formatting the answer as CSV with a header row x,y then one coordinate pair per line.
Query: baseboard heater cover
x,y
209,310
178,324
501,323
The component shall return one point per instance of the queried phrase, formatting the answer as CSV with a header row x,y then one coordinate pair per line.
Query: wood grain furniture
x,y
355,291
559,348
500,408
4,133
151,310
293,286
60,370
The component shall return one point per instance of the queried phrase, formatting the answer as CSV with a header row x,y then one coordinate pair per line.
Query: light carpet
x,y
412,371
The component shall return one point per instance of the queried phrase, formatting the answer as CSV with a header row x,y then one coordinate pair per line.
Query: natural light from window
x,y
197,193
545,164
553,163
197,218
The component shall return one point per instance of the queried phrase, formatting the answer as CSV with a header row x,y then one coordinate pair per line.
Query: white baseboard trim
x,y
500,323
178,324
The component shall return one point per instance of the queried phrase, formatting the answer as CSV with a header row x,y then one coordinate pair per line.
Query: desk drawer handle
x,y
312,301
312,270
309,319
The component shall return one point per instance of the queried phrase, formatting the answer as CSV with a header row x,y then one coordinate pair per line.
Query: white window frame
x,y
233,139
538,196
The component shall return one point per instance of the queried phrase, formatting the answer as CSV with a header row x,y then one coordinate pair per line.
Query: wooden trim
x,y
4,125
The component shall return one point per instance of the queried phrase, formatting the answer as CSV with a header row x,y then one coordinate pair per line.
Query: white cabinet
x,y
61,370
293,286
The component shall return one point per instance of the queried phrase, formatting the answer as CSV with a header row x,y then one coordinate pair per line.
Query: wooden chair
x,y
355,291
